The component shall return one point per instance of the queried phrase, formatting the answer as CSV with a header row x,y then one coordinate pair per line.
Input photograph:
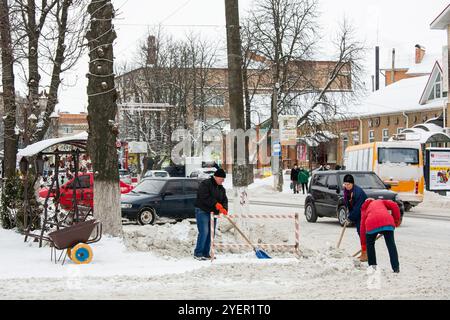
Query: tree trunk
x,y
9,102
102,112
240,171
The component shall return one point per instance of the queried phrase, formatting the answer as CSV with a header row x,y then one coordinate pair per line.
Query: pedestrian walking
x,y
376,219
354,198
211,199
303,178
294,178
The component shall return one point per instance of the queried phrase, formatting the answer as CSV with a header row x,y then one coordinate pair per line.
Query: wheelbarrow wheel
x,y
81,254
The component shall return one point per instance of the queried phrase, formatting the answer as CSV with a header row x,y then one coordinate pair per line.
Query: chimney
x,y
255,57
151,50
420,53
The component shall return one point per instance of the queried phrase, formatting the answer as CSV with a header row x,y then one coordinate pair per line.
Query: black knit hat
x,y
349,179
220,173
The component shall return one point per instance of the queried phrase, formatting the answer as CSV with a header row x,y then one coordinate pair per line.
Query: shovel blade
x,y
260,254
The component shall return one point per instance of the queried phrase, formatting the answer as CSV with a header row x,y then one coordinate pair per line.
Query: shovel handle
x,y
240,232
378,237
342,234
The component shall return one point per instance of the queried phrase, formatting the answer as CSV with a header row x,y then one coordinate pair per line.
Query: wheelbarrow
x,y
74,241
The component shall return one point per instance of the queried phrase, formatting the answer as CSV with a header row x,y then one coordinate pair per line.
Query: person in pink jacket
x,y
376,219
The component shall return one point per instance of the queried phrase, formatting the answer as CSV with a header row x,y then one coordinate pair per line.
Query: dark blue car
x,y
160,198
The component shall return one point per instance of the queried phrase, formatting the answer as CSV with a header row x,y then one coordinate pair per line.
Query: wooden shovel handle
x,y
378,237
240,232
342,234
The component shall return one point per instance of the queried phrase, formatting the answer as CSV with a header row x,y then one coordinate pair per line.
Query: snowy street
x,y
322,272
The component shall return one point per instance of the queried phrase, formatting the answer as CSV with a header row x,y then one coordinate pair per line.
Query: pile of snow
x,y
434,200
179,240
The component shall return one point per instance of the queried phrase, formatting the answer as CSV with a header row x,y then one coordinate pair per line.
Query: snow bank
x,y
434,200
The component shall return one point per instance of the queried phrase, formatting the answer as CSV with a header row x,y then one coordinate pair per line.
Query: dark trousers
x,y
304,187
204,233
390,244
295,185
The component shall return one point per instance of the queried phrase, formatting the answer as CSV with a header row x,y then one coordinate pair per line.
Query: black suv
x,y
326,195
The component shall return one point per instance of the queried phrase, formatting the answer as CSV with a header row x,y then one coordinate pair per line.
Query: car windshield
x,y
160,174
366,181
123,172
149,186
398,155
209,172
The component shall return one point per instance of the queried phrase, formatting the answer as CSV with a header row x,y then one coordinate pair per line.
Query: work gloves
x,y
221,209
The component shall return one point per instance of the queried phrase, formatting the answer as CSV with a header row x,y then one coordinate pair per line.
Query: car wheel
x,y
146,217
342,215
310,212
408,206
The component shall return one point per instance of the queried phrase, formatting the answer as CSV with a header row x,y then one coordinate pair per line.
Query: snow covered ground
x,y
155,262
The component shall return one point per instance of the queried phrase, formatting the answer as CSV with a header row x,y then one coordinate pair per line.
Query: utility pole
x,y
235,86
102,110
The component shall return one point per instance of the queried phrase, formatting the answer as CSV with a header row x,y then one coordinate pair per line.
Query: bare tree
x,y
178,73
102,109
48,42
285,34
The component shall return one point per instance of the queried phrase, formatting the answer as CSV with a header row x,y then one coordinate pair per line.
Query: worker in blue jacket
x,y
354,198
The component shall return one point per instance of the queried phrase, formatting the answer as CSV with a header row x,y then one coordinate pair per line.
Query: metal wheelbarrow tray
x,y
72,236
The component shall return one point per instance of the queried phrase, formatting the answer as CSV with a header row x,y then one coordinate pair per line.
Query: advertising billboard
x,y
438,169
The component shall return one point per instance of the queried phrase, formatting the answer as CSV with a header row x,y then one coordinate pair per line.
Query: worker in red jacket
x,y
376,219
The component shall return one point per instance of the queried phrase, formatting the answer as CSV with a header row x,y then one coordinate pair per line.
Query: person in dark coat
x,y
354,198
211,198
294,178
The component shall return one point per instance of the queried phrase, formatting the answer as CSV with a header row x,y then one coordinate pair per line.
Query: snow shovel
x,y
260,254
342,234
378,237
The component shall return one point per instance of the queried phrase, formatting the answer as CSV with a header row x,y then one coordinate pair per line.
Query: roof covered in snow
x,y
43,145
408,61
401,96
442,21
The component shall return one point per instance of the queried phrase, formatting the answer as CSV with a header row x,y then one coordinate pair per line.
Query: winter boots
x,y
363,256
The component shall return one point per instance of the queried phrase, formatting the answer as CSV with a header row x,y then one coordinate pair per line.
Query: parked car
x,y
156,174
84,191
326,195
125,176
202,173
160,197
176,171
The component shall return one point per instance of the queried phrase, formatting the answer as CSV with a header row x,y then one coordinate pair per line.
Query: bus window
x,y
398,155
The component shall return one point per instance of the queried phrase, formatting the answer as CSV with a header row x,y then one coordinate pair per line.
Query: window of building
x,y
344,145
67,129
371,136
399,130
436,90
355,138
215,101
385,135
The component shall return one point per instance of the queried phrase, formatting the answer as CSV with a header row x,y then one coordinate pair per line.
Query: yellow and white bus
x,y
397,163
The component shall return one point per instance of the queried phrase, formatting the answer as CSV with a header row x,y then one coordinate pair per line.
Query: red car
x,y
84,191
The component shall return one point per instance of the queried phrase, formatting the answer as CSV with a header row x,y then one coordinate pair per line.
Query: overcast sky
x,y
399,24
